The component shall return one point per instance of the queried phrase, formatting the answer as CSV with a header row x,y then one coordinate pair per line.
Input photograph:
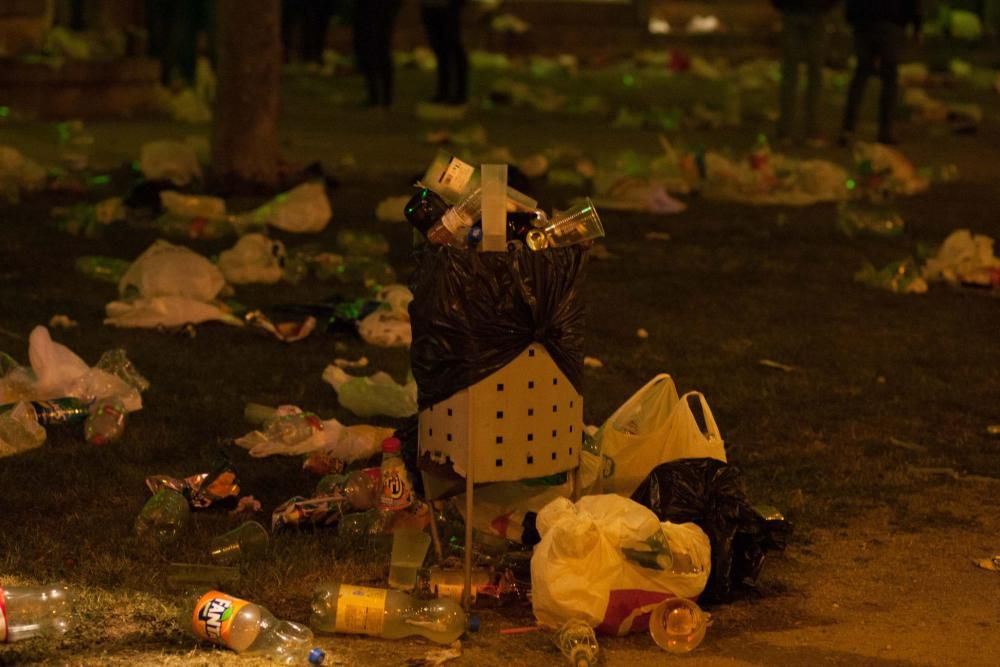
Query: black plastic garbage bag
x,y
473,313
712,495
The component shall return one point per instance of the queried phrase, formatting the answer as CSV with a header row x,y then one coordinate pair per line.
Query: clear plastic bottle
x,y
163,518
384,613
106,421
363,487
577,642
249,629
20,430
34,611
56,411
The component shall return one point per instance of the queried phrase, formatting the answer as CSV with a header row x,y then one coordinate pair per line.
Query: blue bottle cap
x,y
317,656
473,624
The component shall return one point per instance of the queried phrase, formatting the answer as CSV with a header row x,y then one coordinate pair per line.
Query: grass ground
x,y
887,387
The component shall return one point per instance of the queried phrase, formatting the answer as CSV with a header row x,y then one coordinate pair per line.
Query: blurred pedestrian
x,y
803,39
879,29
374,21
304,25
175,27
443,25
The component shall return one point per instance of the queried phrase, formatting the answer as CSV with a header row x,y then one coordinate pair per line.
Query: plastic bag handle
x,y
636,396
713,428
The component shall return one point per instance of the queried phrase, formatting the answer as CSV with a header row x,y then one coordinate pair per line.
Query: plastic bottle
x,y
362,488
397,491
19,430
34,611
249,629
383,613
105,269
363,525
163,518
106,421
678,625
287,428
577,642
56,411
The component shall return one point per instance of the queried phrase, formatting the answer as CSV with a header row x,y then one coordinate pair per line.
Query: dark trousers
x,y
444,33
174,26
876,47
374,21
803,39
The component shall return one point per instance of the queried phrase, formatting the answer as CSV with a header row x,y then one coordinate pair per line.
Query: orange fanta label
x,y
214,615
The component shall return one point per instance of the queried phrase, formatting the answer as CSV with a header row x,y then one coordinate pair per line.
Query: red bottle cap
x,y
391,445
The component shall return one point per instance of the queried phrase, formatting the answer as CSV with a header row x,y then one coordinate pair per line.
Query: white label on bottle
x,y
455,223
3,617
456,176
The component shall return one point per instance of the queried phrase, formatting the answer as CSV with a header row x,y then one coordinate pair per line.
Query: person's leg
x,y
890,44
363,31
790,54
387,25
862,70
815,57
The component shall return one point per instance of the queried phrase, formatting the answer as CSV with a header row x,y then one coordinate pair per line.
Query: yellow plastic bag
x,y
654,426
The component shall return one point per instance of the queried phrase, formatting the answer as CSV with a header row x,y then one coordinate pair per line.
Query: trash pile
x,y
60,389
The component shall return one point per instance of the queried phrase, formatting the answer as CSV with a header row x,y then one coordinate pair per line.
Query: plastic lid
x,y
473,624
391,445
317,656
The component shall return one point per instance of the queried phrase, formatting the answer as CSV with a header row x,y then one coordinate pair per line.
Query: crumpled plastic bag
x,y
711,494
20,430
580,569
376,394
254,259
169,160
58,372
302,210
640,195
169,270
964,258
389,327
260,443
354,443
166,311
893,170
18,174
193,206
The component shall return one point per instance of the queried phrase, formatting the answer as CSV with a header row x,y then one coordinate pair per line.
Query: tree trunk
x,y
245,127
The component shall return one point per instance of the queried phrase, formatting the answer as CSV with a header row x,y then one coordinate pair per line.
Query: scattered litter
x,y
254,259
302,210
964,258
347,363
768,363
18,174
700,25
169,160
593,362
438,657
62,322
377,394
287,332
576,640
389,327
991,564
247,505
902,277
904,444
879,220
678,625
202,490
642,333
657,236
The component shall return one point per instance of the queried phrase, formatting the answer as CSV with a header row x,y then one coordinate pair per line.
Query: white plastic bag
x,y
169,160
964,258
389,328
579,569
254,259
302,210
166,311
654,426
376,394
165,269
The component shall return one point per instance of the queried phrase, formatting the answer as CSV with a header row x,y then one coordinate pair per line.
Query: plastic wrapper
x,y
202,490
20,430
304,209
711,494
316,512
287,332
964,258
377,394
254,259
902,277
473,313
169,160
165,269
354,443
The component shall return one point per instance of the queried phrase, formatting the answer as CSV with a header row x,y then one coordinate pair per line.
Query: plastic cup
x,y
409,548
678,625
244,543
575,225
